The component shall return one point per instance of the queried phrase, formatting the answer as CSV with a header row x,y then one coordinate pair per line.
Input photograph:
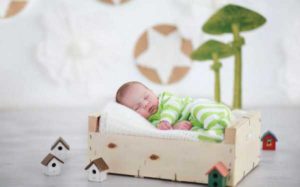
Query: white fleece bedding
x,y
118,119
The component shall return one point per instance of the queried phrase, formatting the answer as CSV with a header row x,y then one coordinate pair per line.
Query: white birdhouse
x,y
60,148
97,170
52,165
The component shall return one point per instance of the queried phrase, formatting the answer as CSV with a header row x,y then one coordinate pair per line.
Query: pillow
x,y
119,116
118,119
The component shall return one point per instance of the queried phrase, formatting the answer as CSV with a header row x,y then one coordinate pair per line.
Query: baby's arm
x,y
170,112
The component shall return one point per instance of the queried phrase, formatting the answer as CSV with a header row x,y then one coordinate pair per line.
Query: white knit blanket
x,y
118,119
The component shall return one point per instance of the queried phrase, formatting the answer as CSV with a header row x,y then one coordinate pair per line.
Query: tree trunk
x,y
217,86
216,68
237,90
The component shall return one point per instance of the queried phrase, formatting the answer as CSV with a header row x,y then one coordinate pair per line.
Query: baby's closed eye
x,y
135,108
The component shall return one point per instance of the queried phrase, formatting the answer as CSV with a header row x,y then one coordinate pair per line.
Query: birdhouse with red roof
x,y
269,141
217,175
97,170
60,148
52,165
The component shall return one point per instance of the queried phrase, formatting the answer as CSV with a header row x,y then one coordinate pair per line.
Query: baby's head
x,y
138,97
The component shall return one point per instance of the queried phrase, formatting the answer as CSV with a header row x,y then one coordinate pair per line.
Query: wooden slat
x,y
94,122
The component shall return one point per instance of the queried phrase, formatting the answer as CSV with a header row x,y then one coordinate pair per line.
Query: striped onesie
x,y
207,117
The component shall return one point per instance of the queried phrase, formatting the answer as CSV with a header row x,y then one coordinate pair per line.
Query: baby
x,y
168,111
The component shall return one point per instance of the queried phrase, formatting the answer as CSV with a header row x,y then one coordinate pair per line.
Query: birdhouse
x,y
52,165
60,148
269,141
217,175
97,170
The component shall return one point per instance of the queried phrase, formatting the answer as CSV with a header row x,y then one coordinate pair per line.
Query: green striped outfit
x,y
207,117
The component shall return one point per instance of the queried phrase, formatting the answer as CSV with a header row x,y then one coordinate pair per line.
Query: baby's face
x,y
140,99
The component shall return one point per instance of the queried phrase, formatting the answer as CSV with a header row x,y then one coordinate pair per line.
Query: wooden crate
x,y
179,160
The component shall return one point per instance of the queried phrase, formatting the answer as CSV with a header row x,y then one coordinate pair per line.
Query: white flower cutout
x,y
76,47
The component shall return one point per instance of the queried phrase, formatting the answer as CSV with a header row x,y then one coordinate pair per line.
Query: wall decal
x,y
234,19
75,48
162,55
9,8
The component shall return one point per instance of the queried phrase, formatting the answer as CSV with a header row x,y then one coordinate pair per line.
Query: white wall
x,y
271,54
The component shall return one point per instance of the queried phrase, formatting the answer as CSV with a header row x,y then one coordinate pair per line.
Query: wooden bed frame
x,y
178,160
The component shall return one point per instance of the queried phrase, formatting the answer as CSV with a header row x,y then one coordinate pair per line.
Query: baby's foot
x,y
183,125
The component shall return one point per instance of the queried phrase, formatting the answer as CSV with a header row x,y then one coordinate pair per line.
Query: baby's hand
x,y
164,125
183,125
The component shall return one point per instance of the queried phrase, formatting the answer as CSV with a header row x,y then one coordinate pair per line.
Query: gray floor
x,y
26,137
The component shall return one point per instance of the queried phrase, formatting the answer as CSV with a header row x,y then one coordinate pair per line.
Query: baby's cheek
x,y
143,113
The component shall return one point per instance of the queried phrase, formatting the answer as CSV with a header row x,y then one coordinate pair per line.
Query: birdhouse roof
x,y
48,158
269,133
221,168
60,140
99,163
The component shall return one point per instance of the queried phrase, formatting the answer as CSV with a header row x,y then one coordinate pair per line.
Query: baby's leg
x,y
211,115
212,135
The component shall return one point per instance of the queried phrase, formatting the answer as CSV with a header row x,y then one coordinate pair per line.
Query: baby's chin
x,y
148,114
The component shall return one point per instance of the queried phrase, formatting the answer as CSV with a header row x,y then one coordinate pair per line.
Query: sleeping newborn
x,y
168,111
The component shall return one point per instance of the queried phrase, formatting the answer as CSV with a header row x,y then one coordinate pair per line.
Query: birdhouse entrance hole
x,y
215,175
53,165
269,142
94,171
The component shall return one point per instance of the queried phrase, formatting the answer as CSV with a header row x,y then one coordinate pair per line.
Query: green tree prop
x,y
213,50
234,19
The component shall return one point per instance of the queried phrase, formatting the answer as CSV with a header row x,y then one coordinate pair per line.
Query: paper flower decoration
x,y
10,8
76,48
162,55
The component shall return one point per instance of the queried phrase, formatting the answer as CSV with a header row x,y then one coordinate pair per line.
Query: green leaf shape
x,y
222,21
206,51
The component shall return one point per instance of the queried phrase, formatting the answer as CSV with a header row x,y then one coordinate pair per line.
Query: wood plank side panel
x,y
248,147
174,160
